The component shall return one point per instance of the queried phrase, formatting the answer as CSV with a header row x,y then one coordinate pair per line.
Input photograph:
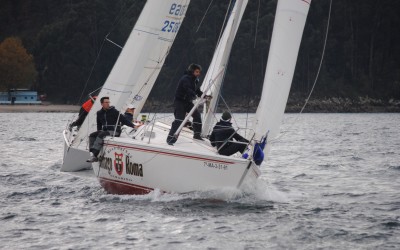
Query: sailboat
x,y
133,74
140,161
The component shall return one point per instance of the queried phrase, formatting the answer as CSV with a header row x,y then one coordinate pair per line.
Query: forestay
x,y
288,29
219,62
141,59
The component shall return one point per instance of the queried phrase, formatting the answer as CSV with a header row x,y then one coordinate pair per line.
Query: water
x,y
332,182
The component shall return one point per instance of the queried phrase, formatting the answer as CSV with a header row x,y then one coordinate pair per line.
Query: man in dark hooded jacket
x,y
185,93
222,135
108,120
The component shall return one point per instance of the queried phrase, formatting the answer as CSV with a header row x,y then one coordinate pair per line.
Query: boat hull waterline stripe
x,y
120,187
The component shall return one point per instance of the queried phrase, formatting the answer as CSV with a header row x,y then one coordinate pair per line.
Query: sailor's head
x,y
130,108
105,102
226,116
194,69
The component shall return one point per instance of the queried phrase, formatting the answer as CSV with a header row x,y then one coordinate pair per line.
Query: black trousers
x,y
181,108
231,148
96,141
81,118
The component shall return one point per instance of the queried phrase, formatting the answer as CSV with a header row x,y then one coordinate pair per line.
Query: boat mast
x,y
220,61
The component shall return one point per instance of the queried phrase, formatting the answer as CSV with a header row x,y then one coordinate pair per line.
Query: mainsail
x,y
141,59
219,62
289,24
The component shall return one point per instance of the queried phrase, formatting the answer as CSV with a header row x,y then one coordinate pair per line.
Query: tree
x,y
17,68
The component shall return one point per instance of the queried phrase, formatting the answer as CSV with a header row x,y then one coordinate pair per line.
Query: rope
x,y
223,24
91,71
258,15
322,58
202,19
115,23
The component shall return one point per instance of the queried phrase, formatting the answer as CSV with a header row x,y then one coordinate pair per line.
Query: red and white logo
x,y
118,163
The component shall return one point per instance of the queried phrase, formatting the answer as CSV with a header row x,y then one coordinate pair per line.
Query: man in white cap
x,y
130,110
223,134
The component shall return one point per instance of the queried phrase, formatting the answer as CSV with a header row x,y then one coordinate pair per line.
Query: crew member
x,y
186,92
222,135
83,112
108,120
130,110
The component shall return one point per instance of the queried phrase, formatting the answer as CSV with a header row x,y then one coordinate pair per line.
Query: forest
x,y
66,55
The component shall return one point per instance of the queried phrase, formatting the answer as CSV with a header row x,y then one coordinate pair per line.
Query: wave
x,y
23,138
394,167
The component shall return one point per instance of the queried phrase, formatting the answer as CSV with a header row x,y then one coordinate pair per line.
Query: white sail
x,y
219,62
288,29
141,59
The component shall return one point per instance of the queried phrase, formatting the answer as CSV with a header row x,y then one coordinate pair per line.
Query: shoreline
x,y
325,105
48,108
169,109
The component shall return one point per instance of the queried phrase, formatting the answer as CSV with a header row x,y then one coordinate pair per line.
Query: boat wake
x,y
258,192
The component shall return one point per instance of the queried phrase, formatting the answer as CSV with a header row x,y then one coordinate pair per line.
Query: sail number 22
x,y
175,10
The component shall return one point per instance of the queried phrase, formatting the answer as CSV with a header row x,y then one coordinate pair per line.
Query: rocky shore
x,y
294,105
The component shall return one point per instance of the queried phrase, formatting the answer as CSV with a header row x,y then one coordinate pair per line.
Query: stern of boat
x,y
74,158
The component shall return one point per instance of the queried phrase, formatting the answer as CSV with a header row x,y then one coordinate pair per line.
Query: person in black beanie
x,y
222,135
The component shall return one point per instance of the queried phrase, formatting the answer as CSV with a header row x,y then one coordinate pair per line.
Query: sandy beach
x,y
38,108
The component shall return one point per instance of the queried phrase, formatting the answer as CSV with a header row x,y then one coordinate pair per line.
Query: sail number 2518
x,y
175,10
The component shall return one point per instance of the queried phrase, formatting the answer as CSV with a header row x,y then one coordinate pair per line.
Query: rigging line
x,y
164,57
258,15
225,18
228,13
229,110
108,40
204,16
91,70
316,77
115,23
190,44
322,58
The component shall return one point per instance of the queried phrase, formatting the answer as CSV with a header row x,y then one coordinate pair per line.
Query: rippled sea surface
x,y
332,182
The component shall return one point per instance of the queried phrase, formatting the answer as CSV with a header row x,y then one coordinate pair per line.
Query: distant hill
x,y
362,55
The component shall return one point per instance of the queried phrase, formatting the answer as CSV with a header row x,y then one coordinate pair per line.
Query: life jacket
x,y
87,105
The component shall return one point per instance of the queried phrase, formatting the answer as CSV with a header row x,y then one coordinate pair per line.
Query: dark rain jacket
x,y
188,88
107,119
223,131
129,116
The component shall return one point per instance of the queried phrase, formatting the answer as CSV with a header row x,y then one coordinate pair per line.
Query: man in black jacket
x,y
185,93
222,135
108,120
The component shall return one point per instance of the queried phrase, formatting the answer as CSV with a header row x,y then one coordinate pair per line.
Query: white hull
x,y
74,158
134,166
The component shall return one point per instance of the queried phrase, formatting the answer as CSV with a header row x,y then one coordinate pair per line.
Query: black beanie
x,y
226,116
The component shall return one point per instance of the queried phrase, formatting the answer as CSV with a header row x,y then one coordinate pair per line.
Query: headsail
x,y
141,59
220,61
288,29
